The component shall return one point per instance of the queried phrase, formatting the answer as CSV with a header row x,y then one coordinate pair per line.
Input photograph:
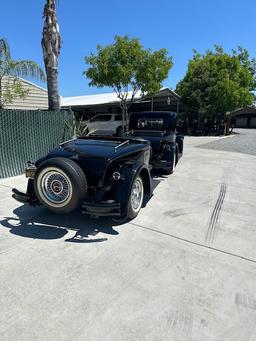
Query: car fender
x,y
129,172
169,151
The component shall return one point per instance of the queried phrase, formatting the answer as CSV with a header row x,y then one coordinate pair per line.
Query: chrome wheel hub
x,y
55,187
136,195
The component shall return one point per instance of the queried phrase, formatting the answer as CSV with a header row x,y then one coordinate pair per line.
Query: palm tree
x,y
51,43
16,68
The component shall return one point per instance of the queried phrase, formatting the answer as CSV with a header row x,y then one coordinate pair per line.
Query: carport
x,y
87,106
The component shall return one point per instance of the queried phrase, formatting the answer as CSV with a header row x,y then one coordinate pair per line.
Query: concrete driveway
x,y
183,270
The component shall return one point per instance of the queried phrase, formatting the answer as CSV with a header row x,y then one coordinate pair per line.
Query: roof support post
x,y
178,106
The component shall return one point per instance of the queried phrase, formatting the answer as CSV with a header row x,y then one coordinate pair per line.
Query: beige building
x,y
37,96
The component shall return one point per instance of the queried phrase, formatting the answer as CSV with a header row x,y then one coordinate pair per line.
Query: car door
x,y
117,122
101,124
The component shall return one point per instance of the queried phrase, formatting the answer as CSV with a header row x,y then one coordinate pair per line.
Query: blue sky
x,y
178,26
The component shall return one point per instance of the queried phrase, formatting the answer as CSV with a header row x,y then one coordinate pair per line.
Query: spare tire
x,y
60,185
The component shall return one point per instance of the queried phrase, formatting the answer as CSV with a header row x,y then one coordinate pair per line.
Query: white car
x,y
105,124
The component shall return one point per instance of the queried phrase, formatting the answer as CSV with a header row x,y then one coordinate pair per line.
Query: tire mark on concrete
x,y
180,323
215,217
245,328
176,213
245,301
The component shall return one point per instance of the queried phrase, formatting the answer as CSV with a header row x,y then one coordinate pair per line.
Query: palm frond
x,y
4,49
27,68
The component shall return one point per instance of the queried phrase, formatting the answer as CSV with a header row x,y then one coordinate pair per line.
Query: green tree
x,y
51,44
128,68
217,82
11,70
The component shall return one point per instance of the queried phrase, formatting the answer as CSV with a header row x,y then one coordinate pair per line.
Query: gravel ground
x,y
243,141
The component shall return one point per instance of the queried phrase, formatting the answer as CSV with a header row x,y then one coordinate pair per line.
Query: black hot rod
x,y
106,176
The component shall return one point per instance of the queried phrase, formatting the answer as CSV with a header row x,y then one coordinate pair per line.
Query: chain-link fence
x,y
28,135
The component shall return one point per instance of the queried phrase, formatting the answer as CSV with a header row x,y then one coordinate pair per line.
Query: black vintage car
x,y
160,129
106,176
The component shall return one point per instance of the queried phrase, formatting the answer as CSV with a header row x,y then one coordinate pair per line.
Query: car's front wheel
x,y
136,198
60,185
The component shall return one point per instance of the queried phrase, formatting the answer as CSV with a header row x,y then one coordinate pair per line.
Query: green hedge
x,y
28,135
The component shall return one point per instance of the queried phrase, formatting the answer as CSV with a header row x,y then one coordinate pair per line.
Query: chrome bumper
x,y
20,197
102,209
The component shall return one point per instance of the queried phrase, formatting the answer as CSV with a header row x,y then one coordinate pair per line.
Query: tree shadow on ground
x,y
40,223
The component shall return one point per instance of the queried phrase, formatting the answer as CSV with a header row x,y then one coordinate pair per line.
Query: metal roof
x,y
93,99
25,81
242,111
107,98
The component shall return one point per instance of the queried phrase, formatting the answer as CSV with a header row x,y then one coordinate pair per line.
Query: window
x,y
118,118
150,123
101,118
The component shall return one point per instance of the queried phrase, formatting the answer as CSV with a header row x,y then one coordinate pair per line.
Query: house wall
x,y
36,99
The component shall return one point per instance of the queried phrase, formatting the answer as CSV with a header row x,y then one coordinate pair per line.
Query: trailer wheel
x,y
60,185
136,198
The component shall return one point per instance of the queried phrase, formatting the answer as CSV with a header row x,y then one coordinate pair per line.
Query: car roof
x,y
153,113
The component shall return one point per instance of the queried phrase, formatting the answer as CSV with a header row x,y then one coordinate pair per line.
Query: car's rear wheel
x,y
119,131
136,198
171,169
60,185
